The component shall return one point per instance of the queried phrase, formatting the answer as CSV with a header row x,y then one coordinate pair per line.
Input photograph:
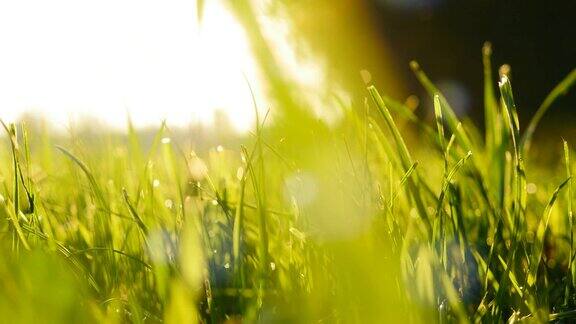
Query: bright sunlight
x,y
69,60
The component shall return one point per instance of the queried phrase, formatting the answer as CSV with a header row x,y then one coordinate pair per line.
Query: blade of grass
x,y
491,119
451,118
560,89
405,158
134,214
571,269
536,255
91,179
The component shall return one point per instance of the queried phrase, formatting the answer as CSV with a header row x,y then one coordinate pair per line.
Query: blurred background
x,y
188,61
537,38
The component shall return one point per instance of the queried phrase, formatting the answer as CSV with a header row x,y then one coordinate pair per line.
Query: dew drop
x,y
531,188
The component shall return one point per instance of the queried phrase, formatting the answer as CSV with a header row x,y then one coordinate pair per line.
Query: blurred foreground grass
x,y
380,218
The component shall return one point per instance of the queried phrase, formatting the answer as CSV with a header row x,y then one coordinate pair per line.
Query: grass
x,y
382,217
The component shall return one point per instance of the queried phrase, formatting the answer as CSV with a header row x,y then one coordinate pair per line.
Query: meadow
x,y
381,217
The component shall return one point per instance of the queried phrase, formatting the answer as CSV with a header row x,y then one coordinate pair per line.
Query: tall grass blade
x,y
536,254
405,158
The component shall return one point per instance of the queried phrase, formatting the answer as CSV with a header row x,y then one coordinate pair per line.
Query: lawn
x,y
381,217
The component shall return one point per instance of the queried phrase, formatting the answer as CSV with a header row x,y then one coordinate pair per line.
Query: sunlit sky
x,y
70,58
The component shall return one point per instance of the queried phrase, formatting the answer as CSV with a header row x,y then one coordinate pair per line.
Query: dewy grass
x,y
348,223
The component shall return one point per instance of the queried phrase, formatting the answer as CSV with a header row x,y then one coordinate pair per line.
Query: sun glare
x,y
70,59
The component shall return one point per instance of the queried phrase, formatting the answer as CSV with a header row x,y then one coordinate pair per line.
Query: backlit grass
x,y
381,217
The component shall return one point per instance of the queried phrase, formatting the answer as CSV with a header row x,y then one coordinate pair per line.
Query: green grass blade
x,y
451,118
439,122
491,119
91,179
571,269
405,158
134,213
536,255
560,89
396,192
